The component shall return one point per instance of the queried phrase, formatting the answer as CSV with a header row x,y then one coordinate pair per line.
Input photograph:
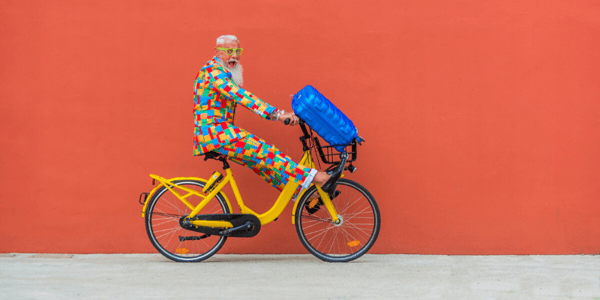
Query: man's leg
x,y
268,162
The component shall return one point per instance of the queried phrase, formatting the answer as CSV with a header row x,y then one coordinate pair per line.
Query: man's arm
x,y
219,80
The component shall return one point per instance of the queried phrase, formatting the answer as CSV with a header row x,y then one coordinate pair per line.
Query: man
x,y
217,92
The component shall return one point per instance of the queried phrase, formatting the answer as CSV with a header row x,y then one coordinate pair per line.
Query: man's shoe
x,y
330,185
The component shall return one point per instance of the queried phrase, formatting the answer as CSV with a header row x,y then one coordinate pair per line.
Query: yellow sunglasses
x,y
230,51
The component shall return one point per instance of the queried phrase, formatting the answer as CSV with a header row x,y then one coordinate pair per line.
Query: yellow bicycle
x,y
188,219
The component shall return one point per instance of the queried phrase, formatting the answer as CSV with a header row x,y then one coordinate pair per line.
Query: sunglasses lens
x,y
230,51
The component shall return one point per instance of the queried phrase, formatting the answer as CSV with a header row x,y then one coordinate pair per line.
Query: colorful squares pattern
x,y
209,138
216,97
265,160
215,101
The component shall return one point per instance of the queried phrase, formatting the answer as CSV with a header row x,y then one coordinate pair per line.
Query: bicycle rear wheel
x,y
168,237
349,240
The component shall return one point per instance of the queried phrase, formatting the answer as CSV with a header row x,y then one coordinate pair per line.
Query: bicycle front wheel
x,y
352,237
168,237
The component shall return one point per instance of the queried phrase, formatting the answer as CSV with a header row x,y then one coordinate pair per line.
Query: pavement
x,y
151,276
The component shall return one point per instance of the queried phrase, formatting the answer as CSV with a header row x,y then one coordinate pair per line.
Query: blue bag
x,y
324,118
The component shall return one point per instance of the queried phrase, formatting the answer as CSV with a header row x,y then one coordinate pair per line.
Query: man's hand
x,y
289,115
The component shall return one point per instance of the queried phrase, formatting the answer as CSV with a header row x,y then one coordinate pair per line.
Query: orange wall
x,y
482,118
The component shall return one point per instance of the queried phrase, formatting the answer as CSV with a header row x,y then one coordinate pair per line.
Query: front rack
x,y
329,154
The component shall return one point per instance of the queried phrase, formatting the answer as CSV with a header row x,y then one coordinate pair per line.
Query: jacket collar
x,y
215,64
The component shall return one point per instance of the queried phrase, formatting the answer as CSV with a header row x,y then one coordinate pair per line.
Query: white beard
x,y
237,72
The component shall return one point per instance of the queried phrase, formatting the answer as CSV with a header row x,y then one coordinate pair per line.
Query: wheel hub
x,y
339,222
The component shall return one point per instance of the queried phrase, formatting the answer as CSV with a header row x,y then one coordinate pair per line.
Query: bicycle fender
x,y
162,181
150,195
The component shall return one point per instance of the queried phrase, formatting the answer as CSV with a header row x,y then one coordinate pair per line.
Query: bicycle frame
x,y
265,218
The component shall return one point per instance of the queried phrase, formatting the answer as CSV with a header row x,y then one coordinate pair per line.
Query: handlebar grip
x,y
287,121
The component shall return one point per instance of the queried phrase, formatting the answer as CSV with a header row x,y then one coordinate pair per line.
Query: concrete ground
x,y
151,276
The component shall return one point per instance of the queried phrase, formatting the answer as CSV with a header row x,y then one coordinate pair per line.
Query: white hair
x,y
221,39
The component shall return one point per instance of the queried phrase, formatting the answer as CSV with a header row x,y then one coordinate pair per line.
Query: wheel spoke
x,y
324,234
164,213
317,219
353,236
173,206
359,230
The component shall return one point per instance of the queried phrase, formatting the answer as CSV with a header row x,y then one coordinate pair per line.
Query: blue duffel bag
x,y
324,118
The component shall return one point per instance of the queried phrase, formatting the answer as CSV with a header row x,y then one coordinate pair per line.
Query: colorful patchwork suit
x,y
216,97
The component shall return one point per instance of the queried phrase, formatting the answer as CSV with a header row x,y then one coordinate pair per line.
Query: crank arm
x,y
192,238
247,226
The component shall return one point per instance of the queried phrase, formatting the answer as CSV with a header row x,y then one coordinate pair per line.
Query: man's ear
x,y
216,52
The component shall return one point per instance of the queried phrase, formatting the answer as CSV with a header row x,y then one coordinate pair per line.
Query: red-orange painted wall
x,y
482,118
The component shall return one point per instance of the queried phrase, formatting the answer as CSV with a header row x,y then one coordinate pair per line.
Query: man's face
x,y
230,60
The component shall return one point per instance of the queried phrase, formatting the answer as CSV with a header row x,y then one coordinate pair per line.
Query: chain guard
x,y
235,219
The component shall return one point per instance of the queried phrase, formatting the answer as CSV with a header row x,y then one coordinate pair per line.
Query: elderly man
x,y
217,92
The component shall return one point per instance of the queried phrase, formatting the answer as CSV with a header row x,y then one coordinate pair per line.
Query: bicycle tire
x,y
164,231
360,223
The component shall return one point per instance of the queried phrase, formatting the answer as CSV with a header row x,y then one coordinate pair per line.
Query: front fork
x,y
307,161
329,204
326,200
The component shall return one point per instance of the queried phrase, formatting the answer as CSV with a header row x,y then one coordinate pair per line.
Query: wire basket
x,y
330,155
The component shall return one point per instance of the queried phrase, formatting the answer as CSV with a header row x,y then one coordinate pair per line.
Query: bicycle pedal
x,y
314,205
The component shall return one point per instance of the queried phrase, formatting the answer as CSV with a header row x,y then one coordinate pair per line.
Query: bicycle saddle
x,y
213,155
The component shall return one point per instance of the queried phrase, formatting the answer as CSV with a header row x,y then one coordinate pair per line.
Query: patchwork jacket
x,y
216,97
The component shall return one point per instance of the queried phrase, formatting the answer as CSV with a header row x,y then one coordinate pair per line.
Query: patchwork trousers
x,y
268,162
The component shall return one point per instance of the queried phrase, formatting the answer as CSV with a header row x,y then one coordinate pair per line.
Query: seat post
x,y
223,159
